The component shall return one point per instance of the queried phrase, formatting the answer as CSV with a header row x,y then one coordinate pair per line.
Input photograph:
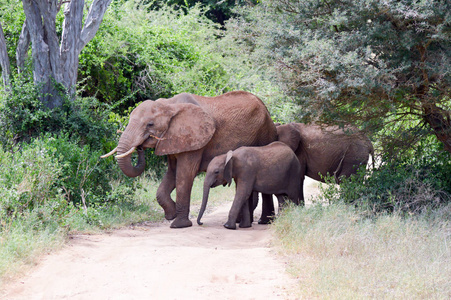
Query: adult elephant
x,y
191,130
322,151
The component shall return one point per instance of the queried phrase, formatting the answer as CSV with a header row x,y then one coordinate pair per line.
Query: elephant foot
x,y
181,223
230,225
245,225
170,216
264,221
170,212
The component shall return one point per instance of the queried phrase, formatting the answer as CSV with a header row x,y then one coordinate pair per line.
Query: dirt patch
x,y
153,261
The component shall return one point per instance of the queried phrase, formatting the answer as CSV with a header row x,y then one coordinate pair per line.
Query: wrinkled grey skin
x,y
191,130
271,169
331,150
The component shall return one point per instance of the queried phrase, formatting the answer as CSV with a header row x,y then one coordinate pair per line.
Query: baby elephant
x,y
271,169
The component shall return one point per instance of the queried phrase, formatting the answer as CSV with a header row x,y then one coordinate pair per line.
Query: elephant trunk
x,y
207,186
125,163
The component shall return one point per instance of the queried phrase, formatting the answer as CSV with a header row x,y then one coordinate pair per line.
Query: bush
x,y
23,117
140,54
27,179
84,177
415,182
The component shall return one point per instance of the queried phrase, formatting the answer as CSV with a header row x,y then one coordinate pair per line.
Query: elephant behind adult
x,y
191,130
322,151
329,150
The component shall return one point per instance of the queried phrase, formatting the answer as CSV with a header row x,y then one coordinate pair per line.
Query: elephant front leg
x,y
241,199
164,191
187,167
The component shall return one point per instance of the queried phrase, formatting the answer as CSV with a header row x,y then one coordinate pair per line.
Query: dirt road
x,y
153,261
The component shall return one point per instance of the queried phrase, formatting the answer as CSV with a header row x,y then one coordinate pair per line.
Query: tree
x,y
367,62
54,62
4,59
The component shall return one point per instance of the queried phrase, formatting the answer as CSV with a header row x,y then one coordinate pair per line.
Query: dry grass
x,y
335,254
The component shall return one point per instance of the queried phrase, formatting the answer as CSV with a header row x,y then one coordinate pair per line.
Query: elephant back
x,y
241,119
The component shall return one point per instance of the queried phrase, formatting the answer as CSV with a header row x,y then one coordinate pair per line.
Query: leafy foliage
x,y
361,62
23,117
12,18
415,183
27,180
144,54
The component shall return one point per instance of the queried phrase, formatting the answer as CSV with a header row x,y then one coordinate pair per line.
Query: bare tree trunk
x,y
22,48
76,37
72,27
52,60
4,60
42,69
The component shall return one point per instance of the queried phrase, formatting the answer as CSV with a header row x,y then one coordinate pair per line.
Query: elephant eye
x,y
150,124
216,171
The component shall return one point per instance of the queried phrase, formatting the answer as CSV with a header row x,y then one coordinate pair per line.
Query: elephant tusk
x,y
109,153
132,149
157,138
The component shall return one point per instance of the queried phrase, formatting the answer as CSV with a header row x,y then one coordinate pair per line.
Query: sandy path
x,y
153,261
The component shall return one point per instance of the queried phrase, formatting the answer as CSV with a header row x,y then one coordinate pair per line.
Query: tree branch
x,y
93,20
4,60
40,49
440,121
48,10
22,47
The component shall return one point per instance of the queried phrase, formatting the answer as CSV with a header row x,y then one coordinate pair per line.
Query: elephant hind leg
x,y
281,199
268,211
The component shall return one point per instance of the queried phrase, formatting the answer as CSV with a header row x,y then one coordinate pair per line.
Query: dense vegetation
x,y
310,61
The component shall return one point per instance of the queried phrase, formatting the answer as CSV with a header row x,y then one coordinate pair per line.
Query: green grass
x,y
21,244
336,254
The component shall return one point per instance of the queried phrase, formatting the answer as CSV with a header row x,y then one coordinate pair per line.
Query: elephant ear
x,y
289,135
189,129
228,166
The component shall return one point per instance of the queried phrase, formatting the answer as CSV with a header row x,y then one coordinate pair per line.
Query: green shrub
x,y
416,182
51,171
83,176
27,179
23,117
140,54
55,182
